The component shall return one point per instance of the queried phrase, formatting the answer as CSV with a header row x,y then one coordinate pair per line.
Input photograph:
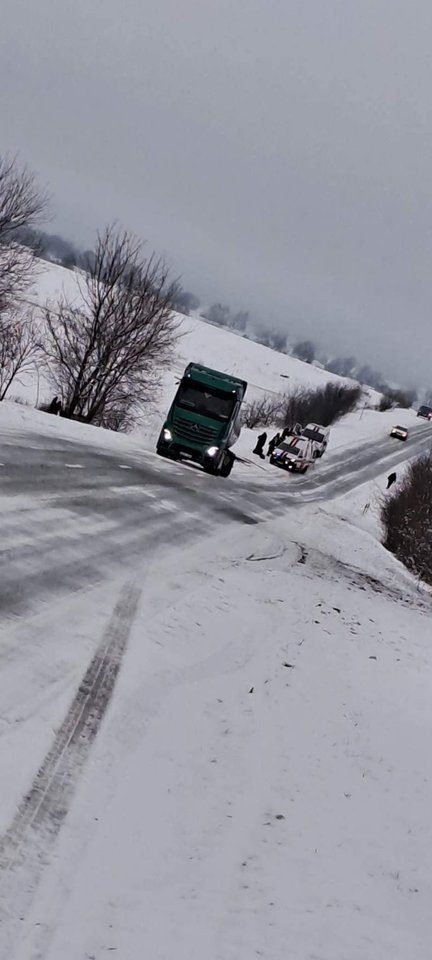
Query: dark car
x,y
425,412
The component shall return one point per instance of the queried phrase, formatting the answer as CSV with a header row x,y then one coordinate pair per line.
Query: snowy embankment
x,y
261,783
265,370
201,342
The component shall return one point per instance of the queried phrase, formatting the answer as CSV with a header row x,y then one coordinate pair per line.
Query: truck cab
x,y
318,435
204,419
294,453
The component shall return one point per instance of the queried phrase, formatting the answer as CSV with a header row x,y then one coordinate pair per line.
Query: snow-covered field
x,y
201,342
217,748
261,783
265,370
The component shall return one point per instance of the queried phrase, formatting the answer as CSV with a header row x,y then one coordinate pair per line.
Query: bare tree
x,y
18,348
18,270
304,350
22,204
240,320
320,405
219,314
343,366
396,398
273,339
373,378
185,302
406,515
107,354
262,412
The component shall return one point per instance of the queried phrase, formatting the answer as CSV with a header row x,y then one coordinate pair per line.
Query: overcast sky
x,y
279,151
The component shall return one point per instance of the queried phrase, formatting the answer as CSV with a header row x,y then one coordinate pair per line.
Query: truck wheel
x,y
210,468
163,452
303,469
227,464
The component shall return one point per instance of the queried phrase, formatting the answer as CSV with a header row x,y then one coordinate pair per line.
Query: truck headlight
x,y
212,451
167,435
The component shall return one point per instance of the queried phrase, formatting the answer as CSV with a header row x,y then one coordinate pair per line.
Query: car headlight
x,y
167,435
212,451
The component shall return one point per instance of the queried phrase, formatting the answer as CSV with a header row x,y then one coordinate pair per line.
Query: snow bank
x,y
261,785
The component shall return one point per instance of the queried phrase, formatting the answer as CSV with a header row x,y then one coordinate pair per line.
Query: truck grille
x,y
195,432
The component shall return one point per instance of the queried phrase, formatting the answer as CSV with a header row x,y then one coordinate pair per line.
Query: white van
x,y
318,435
294,453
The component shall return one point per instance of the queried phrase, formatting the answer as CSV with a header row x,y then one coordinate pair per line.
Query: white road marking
x,y
134,488
74,466
260,514
168,505
124,467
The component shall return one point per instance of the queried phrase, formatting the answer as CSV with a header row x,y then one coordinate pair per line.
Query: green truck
x,y
204,419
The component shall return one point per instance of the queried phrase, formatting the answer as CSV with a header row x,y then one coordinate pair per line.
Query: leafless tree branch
x,y
22,203
18,348
107,355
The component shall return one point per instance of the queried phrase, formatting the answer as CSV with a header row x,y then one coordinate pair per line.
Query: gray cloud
x,y
279,151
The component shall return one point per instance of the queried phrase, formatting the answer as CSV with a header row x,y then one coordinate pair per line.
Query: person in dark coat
x,y
259,446
55,406
273,443
390,480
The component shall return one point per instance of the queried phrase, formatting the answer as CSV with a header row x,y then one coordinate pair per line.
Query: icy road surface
x,y
259,782
74,516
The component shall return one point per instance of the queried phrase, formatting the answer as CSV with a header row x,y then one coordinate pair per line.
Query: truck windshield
x,y
288,449
208,402
313,435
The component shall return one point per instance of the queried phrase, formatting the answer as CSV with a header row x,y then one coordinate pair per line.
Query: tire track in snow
x,y
25,847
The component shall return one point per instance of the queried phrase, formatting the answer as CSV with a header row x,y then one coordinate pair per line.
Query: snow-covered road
x,y
75,515
161,839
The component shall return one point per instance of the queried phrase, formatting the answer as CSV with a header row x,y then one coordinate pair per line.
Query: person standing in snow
x,y
259,446
55,406
273,443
